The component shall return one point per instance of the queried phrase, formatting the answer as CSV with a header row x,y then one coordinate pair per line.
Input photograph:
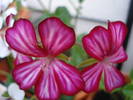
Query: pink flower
x,y
105,45
50,76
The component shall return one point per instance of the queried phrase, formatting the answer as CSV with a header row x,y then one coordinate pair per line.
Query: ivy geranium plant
x,y
52,76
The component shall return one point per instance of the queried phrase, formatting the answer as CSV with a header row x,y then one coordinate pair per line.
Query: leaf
x,y
77,52
18,4
128,90
79,38
5,94
64,97
81,1
102,84
63,14
77,55
131,74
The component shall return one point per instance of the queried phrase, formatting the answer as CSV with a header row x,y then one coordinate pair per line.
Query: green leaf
x,y
9,79
5,94
79,38
128,90
102,84
10,62
81,1
18,4
131,74
63,14
64,97
77,55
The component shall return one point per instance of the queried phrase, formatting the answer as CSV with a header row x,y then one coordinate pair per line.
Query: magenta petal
x,y
20,58
68,77
46,87
22,38
97,43
26,74
92,75
118,57
56,36
10,20
112,78
118,32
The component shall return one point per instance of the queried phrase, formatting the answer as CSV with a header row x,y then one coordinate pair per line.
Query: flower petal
x,y
22,38
4,51
68,77
46,87
10,10
92,75
1,22
26,74
15,92
97,43
10,20
118,32
20,58
118,57
3,89
4,4
56,36
112,78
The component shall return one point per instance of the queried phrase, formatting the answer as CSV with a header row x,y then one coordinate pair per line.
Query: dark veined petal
x,y
46,87
97,43
118,31
112,78
26,74
22,38
68,77
56,36
92,76
20,58
118,57
58,77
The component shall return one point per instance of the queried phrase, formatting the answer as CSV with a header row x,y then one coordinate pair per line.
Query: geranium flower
x,y
105,45
50,75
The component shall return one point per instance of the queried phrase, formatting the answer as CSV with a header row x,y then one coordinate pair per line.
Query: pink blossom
x,y
50,76
105,45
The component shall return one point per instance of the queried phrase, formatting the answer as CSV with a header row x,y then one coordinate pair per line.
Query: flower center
x,y
106,61
47,61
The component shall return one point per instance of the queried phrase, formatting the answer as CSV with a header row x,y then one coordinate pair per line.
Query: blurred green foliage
x,y
63,14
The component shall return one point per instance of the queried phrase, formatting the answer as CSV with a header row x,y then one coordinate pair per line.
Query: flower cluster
x,y
51,76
